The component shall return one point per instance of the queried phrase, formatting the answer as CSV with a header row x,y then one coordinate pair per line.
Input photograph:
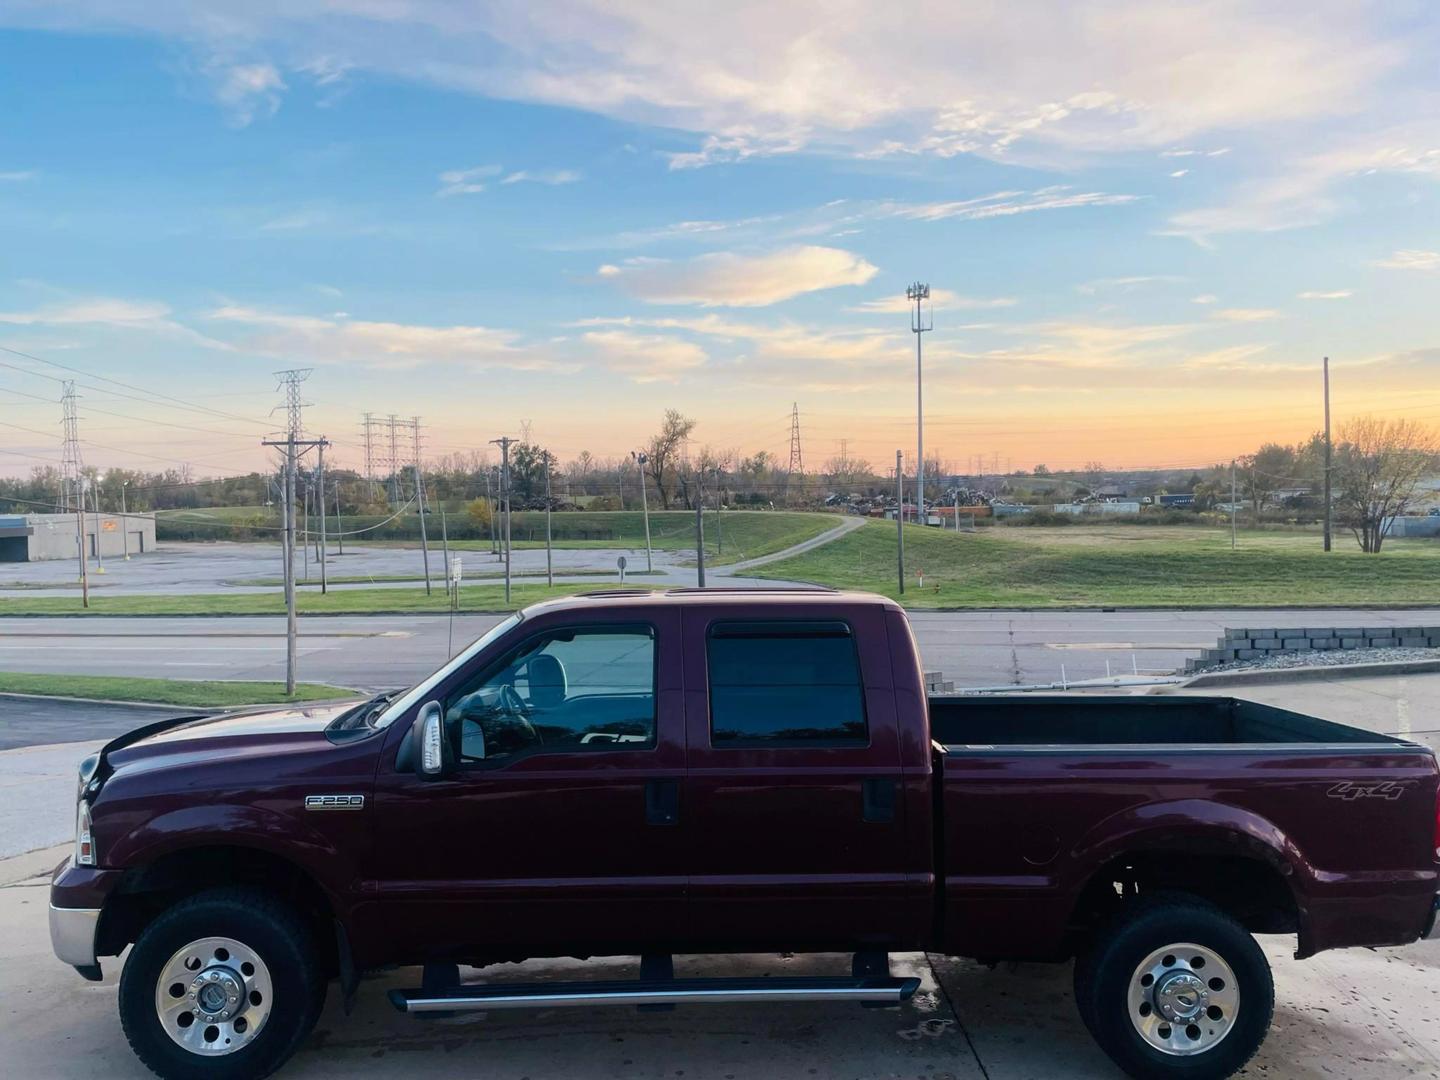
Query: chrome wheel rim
x,y
1183,999
213,996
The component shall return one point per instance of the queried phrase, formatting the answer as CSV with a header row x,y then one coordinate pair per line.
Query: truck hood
x,y
248,731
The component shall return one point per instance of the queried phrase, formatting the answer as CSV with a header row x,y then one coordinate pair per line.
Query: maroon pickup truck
x,y
707,771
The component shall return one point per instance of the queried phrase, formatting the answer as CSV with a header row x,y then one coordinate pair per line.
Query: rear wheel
x,y
1174,987
225,984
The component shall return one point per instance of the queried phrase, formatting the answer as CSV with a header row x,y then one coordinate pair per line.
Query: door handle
x,y
662,802
877,798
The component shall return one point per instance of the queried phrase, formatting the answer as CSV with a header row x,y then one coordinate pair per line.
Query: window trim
x,y
864,743
491,764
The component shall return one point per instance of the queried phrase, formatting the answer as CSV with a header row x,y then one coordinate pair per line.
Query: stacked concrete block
x,y
1257,643
936,683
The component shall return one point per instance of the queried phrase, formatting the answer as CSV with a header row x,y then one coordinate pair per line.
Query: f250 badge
x,y
1380,789
334,802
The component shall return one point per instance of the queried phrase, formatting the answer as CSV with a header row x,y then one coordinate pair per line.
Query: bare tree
x,y
662,451
1377,472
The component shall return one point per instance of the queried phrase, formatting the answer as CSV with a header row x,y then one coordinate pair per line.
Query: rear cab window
x,y
785,683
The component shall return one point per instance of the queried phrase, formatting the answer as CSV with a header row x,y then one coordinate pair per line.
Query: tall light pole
x,y
1328,455
917,294
640,459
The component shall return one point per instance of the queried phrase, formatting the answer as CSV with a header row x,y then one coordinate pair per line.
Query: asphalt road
x,y
978,648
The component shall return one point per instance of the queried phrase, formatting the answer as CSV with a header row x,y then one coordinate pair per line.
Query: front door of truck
x,y
559,829
792,792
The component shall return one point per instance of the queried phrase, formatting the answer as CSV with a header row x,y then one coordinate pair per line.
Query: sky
x,y
1143,224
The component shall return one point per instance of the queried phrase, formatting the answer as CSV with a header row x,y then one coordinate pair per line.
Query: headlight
x,y
84,842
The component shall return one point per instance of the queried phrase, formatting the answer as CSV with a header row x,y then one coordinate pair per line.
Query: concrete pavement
x,y
975,648
1356,1014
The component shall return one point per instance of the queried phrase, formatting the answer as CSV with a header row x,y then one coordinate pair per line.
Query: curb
x,y
1301,674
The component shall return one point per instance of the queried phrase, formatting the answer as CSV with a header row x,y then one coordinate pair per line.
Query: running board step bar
x,y
484,997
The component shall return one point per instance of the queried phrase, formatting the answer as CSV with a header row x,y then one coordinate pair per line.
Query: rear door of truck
x,y
792,805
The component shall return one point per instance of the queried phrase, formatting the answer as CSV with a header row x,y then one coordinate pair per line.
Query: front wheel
x,y
226,984
1174,987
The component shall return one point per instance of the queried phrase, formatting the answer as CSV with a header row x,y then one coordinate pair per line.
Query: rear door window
x,y
778,683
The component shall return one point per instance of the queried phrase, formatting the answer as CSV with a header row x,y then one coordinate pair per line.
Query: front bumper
x,y
1432,931
72,936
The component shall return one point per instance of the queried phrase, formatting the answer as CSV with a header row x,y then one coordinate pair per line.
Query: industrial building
x,y
38,537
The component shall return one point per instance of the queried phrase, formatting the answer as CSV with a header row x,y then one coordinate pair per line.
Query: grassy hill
x,y
729,537
1120,566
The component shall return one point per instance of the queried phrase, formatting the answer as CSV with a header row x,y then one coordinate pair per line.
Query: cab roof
x,y
763,596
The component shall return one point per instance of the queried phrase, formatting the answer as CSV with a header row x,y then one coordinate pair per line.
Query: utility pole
x,y
504,444
900,516
420,501
99,536
124,520
80,539
71,468
699,534
1329,450
320,482
339,526
549,562
445,547
719,516
305,527
916,294
293,446
1232,504
640,459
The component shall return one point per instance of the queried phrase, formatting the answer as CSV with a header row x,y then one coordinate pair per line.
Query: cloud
x,y
752,77
1178,173
115,314
1411,259
645,357
1194,153
1002,204
16,176
1125,284
543,176
337,340
464,181
1336,294
728,279
1247,314
247,90
1204,298
942,299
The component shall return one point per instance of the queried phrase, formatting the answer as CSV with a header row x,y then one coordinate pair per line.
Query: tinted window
x,y
777,683
567,690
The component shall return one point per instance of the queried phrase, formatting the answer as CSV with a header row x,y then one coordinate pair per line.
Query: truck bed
x,y
1126,719
1048,804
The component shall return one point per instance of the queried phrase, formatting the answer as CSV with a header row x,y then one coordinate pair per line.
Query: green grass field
x,y
1132,566
730,536
165,691
340,602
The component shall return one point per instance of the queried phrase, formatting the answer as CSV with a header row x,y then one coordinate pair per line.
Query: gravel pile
x,y
1325,658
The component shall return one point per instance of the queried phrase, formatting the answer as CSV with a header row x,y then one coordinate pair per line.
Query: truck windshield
x,y
419,691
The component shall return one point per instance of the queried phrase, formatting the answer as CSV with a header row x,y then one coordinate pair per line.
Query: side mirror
x,y
437,759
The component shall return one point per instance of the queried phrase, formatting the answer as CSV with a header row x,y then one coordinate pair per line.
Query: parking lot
x,y
1366,1015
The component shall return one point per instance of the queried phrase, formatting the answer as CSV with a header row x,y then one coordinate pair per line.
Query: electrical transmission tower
x,y
367,429
420,496
71,463
393,464
293,446
797,465
525,431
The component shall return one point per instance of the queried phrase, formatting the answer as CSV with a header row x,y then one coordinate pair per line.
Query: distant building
x,y
1096,508
38,537
1179,499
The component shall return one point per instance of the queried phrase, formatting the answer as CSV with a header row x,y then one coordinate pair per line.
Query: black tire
x,y
1104,972
270,927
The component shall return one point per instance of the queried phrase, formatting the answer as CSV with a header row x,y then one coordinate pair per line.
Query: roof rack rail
x,y
617,592
681,590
